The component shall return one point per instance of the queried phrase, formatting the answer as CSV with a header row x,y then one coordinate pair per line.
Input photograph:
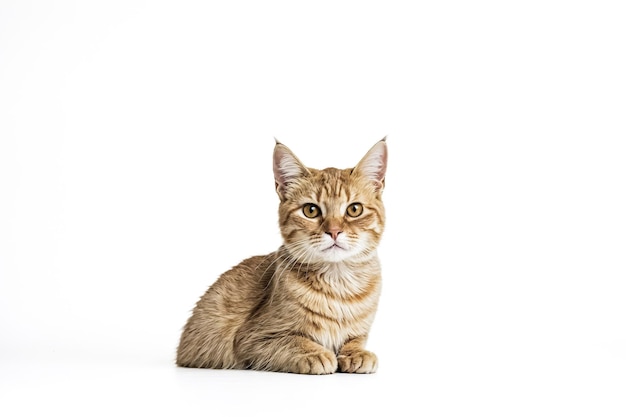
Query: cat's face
x,y
331,215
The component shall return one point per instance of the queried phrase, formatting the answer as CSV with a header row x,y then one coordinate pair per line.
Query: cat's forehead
x,y
328,174
332,184
331,179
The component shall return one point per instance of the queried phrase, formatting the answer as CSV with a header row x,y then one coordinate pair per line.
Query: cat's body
x,y
308,307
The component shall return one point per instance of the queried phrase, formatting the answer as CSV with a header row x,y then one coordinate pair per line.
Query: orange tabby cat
x,y
308,307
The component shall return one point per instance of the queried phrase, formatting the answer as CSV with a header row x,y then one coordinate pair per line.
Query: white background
x,y
135,167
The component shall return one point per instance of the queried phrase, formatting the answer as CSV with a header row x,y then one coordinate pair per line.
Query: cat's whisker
x,y
300,249
308,261
276,259
289,258
274,279
273,254
306,255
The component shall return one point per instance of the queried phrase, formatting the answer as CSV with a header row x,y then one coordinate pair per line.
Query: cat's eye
x,y
355,210
311,210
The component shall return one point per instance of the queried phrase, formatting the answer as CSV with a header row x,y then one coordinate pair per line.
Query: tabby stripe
x,y
354,298
339,189
348,195
289,213
375,210
345,318
364,220
318,195
308,309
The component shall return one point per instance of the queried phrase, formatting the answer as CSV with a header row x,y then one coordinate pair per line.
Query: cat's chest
x,y
332,322
340,306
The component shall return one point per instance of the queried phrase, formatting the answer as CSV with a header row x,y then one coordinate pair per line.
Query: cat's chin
x,y
335,253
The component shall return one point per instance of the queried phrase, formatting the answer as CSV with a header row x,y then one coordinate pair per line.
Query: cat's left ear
x,y
287,169
374,164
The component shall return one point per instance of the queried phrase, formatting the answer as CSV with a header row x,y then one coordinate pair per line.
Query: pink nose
x,y
334,232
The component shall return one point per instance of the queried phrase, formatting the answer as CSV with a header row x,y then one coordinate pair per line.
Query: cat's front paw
x,y
359,362
321,363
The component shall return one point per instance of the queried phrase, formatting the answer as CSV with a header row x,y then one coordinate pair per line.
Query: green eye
x,y
355,210
311,210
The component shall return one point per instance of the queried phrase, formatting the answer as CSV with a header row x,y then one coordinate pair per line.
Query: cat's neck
x,y
349,275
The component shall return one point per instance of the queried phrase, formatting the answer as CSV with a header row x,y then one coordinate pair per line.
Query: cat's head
x,y
331,215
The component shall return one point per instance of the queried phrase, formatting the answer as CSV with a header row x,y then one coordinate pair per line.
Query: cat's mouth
x,y
334,245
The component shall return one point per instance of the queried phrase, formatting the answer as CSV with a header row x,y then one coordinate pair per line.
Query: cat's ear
x,y
287,168
374,164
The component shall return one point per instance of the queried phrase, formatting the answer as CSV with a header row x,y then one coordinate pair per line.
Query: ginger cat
x,y
308,307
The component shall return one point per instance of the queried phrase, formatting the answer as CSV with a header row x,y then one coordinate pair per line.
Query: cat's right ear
x,y
287,169
374,164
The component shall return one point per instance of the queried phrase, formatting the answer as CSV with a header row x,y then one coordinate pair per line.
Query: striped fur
x,y
308,307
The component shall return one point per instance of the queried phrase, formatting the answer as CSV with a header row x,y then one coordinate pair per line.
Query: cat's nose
x,y
334,232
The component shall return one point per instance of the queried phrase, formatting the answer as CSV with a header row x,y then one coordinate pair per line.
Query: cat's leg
x,y
288,353
353,357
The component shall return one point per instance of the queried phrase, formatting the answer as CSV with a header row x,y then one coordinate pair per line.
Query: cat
x,y
308,307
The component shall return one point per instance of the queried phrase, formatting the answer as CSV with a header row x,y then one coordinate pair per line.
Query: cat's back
x,y
242,284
